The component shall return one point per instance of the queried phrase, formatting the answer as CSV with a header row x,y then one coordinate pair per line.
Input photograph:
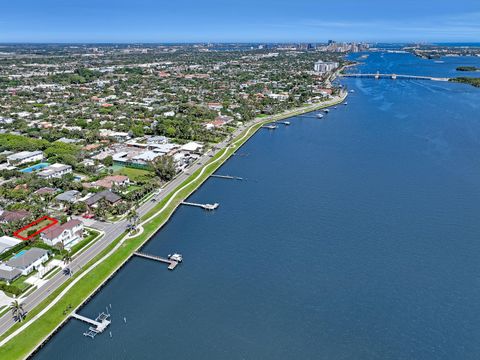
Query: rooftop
x,y
57,229
27,258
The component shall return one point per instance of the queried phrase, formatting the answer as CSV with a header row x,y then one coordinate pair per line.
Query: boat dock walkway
x,y
269,127
172,264
203,206
229,177
98,325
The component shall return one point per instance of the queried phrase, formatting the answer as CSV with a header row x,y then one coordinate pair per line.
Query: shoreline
x,y
149,227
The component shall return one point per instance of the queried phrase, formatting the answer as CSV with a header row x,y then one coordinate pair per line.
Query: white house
x,y
7,242
191,146
55,171
28,260
24,157
67,234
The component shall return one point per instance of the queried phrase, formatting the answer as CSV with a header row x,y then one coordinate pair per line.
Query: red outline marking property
x,y
17,233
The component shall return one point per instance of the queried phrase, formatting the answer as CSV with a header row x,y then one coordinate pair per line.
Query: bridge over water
x,y
395,76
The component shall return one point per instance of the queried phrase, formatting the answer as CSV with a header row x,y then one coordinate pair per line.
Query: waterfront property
x,y
29,260
325,66
67,234
378,238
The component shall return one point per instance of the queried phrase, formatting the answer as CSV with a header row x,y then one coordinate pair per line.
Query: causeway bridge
x,y
378,75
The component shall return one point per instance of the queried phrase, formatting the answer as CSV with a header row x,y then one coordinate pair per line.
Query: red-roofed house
x,y
109,181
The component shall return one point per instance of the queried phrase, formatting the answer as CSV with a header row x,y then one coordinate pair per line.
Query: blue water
x,y
19,254
354,237
408,64
35,167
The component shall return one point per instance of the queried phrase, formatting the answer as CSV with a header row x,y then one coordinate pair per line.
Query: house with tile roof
x,y
109,196
67,234
12,216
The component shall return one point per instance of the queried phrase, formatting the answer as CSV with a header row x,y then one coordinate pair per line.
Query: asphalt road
x,y
113,231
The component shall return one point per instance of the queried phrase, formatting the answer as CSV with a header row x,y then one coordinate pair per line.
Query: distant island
x,y
467,68
467,80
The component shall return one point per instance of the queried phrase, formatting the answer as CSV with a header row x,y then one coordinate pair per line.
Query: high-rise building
x,y
324,67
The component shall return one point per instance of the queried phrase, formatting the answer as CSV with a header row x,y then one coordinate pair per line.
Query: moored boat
x,y
176,257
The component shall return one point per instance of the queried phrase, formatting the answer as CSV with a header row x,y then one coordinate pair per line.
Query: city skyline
x,y
246,21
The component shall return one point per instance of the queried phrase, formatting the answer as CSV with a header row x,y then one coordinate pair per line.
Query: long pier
x,y
229,177
203,206
98,325
172,264
395,77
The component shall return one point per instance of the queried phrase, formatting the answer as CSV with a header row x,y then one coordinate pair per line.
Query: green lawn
x,y
34,228
135,174
20,282
22,345
92,234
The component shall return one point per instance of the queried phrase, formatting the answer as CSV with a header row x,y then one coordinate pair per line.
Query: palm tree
x,y
18,312
101,210
66,258
132,218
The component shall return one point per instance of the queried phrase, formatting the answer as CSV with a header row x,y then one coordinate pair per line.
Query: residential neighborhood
x,y
90,136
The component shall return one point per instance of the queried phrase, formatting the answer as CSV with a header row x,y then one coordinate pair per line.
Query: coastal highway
x,y
113,230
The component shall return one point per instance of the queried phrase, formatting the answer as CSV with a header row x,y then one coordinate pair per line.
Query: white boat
x,y
345,103
320,116
176,257
352,91
326,111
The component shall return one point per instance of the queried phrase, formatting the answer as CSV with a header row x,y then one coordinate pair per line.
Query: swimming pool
x,y
35,167
16,256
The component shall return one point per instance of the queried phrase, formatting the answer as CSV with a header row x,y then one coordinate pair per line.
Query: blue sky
x,y
238,20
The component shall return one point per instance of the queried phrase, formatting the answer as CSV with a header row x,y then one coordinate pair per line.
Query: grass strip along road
x,y
49,315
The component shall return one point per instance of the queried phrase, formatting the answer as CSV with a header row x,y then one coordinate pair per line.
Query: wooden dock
x,y
172,264
229,177
203,206
98,325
